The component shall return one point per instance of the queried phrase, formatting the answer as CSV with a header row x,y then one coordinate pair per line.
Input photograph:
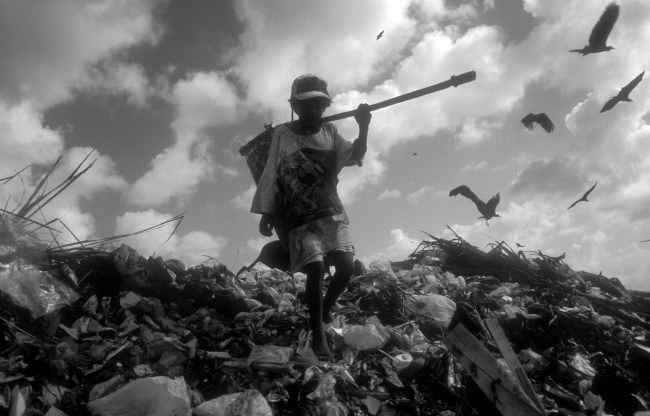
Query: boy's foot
x,y
321,350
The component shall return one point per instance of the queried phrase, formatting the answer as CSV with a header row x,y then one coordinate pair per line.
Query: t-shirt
x,y
301,173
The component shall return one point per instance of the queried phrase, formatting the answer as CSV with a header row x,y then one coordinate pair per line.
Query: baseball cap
x,y
309,86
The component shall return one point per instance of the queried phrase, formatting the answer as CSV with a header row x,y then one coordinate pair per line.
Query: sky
x,y
163,93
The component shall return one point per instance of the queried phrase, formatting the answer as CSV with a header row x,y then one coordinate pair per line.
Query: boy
x,y
297,197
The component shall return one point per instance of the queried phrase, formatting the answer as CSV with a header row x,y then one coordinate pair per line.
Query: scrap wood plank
x,y
500,387
511,359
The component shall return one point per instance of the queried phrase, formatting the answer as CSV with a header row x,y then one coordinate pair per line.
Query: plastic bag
x,y
132,266
270,354
153,396
382,265
23,275
369,337
437,307
248,403
36,290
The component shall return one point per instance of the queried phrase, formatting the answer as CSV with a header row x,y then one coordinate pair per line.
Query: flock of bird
x,y
597,43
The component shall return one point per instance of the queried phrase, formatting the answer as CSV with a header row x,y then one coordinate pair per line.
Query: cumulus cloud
x,y
268,44
421,44
192,248
354,179
118,78
401,245
541,225
473,167
417,195
389,194
71,224
245,199
202,101
25,139
556,175
174,174
71,48
51,47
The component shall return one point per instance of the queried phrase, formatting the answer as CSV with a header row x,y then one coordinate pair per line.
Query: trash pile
x,y
451,330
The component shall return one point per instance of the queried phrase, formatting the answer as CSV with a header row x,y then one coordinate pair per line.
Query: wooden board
x,y
499,386
511,359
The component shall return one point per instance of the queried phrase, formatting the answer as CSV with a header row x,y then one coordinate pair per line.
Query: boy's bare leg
x,y
313,292
344,264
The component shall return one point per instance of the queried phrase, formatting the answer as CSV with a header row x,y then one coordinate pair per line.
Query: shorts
x,y
315,240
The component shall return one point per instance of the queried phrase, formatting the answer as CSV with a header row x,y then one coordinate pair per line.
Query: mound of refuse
x,y
451,330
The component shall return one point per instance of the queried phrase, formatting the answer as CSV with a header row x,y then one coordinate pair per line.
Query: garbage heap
x,y
451,330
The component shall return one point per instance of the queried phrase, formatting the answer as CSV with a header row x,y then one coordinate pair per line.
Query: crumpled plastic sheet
x,y
34,289
270,354
131,265
437,307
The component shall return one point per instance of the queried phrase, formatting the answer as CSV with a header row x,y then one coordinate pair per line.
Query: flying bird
x,y
623,94
380,34
600,32
644,241
541,119
488,210
584,197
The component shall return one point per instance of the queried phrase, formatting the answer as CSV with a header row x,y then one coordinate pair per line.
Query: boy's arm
x,y
363,117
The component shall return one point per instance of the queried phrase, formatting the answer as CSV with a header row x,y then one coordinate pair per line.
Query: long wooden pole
x,y
454,81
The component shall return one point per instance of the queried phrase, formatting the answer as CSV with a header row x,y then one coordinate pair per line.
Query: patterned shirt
x,y
301,173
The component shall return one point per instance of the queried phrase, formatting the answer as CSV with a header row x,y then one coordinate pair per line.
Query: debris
x,y
247,403
145,397
452,330
498,385
436,307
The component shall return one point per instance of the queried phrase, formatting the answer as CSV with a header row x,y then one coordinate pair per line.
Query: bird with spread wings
x,y
601,31
542,119
623,94
584,197
488,210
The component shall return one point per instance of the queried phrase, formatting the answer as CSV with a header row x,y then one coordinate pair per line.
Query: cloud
x,y
418,45
401,245
55,50
473,167
25,140
389,194
51,46
267,43
204,100
354,179
62,204
245,199
256,244
113,78
474,131
556,175
191,248
416,196
542,225
174,174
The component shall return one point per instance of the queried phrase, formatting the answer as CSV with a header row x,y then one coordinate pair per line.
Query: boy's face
x,y
310,111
